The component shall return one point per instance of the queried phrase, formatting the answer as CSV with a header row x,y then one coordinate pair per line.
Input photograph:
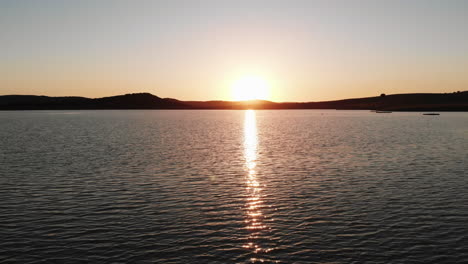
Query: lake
x,y
209,186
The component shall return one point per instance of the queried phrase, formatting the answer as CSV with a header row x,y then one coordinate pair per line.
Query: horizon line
x,y
239,101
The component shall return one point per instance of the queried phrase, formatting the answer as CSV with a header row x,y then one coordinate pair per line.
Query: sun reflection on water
x,y
254,216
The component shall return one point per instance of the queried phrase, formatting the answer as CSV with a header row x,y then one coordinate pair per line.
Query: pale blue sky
x,y
193,50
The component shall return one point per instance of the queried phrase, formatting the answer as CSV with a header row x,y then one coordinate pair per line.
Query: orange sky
x,y
304,50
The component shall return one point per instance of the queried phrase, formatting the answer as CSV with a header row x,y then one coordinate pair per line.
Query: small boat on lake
x,y
383,112
431,114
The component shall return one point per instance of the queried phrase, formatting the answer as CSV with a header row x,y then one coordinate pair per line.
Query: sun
x,y
250,87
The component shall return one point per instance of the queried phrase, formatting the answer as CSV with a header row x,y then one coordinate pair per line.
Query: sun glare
x,y
250,88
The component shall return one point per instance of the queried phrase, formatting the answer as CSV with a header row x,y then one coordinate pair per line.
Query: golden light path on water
x,y
254,217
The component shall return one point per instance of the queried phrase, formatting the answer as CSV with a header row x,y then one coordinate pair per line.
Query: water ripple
x,y
233,187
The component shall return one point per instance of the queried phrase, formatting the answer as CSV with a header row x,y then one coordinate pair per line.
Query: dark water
x,y
233,187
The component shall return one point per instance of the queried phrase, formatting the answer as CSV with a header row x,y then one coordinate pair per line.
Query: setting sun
x,y
250,88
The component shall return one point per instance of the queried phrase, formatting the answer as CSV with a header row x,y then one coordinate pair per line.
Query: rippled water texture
x,y
233,187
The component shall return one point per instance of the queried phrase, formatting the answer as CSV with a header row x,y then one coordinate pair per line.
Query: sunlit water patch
x,y
255,220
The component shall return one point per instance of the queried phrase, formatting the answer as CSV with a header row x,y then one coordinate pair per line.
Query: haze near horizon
x,y
224,50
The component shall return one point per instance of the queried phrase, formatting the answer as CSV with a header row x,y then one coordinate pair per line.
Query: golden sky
x,y
200,50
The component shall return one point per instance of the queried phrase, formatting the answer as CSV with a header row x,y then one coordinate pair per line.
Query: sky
x,y
304,50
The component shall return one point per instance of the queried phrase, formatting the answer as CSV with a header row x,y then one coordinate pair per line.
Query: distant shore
x,y
457,101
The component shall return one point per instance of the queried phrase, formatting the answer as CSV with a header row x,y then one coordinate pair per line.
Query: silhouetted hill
x,y
128,101
257,104
397,102
137,101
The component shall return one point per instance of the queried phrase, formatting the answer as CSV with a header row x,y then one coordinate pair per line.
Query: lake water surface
x,y
282,186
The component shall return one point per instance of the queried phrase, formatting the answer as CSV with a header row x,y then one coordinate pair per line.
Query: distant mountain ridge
x,y
127,101
397,102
